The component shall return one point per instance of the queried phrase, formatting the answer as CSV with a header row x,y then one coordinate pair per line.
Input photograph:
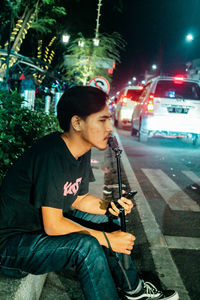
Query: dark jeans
x,y
97,270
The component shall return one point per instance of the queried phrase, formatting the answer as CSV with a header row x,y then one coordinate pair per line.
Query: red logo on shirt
x,y
72,188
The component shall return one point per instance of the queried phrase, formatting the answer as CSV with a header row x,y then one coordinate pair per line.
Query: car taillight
x,y
178,79
124,101
150,104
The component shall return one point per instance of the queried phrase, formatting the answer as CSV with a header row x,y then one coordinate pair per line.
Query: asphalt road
x,y
167,174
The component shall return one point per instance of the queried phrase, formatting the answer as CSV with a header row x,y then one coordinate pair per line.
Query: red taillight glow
x,y
150,105
178,79
123,101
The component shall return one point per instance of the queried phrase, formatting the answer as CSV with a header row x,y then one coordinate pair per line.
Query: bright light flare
x,y
81,43
65,38
178,78
189,37
96,42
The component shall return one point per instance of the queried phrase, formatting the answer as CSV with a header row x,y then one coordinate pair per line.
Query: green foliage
x,y
87,59
42,25
39,104
19,128
46,13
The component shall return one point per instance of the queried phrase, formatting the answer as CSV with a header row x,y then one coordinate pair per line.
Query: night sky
x,y
155,32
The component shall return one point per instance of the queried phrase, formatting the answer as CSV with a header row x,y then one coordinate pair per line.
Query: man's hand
x,y
121,242
127,204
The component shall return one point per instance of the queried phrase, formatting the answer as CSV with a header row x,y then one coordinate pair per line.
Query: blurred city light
x,y
81,43
65,38
189,37
96,42
154,67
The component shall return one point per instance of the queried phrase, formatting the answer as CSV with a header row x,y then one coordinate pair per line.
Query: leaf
x,y
59,10
19,128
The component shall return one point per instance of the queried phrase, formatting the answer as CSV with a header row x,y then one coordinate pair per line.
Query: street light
x,y
154,67
189,37
65,38
96,42
81,43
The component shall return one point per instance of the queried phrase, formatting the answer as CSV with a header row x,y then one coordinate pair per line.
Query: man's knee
x,y
89,242
89,246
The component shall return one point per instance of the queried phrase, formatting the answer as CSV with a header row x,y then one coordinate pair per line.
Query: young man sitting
x,y
49,221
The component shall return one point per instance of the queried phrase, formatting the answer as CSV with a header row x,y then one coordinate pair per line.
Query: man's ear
x,y
76,122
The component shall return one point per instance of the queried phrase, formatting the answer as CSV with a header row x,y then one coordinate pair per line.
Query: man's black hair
x,y
81,101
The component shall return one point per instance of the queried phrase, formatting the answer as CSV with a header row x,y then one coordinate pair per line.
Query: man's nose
x,y
109,126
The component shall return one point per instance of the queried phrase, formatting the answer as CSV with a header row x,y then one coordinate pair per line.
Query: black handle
x,y
113,144
126,261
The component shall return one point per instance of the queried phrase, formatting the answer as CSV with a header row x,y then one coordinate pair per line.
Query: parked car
x,y
125,103
168,107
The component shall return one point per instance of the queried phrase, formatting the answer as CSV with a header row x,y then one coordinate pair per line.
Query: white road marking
x,y
170,191
165,266
182,242
192,176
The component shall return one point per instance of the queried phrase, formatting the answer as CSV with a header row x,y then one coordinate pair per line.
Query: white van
x,y
168,107
125,103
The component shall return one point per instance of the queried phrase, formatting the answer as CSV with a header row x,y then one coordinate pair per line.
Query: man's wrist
x,y
107,242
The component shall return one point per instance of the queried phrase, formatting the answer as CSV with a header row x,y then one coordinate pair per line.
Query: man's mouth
x,y
107,137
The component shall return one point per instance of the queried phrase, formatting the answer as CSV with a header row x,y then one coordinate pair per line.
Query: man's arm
x,y
56,224
91,204
94,205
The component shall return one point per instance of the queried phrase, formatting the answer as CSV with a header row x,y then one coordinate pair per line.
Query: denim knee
x,y
90,244
91,252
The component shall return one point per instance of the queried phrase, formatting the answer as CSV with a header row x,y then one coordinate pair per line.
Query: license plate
x,y
178,110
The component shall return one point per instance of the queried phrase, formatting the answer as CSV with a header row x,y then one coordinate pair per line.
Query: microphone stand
x,y
114,146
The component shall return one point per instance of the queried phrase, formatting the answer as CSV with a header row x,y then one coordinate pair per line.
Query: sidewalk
x,y
66,286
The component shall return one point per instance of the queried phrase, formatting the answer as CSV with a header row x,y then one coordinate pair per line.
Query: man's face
x,y
97,129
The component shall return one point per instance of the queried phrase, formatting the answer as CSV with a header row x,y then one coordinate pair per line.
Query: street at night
x,y
166,174
97,97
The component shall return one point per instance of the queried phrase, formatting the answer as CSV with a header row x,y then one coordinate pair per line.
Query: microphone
x,y
113,143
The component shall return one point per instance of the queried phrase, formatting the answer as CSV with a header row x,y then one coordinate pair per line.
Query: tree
x,y
86,59
39,15
20,127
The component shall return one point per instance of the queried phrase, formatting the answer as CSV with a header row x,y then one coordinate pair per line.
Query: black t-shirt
x,y
46,175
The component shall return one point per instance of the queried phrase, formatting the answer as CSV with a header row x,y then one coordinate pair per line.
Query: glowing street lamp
x,y
189,37
65,38
96,42
81,43
154,67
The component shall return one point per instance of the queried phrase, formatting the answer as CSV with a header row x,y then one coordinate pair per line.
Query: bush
x,y
19,128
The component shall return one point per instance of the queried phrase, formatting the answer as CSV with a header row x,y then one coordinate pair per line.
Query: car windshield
x,y
133,94
182,90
